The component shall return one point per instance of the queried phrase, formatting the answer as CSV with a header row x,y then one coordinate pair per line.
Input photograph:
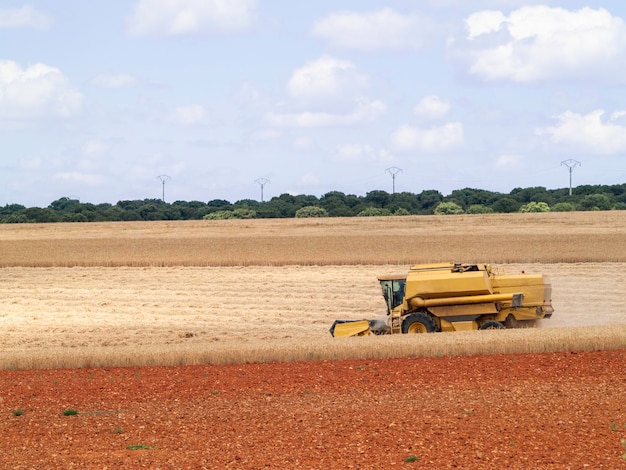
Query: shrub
x,y
479,209
242,213
506,205
401,211
563,207
449,207
374,212
311,211
595,202
535,207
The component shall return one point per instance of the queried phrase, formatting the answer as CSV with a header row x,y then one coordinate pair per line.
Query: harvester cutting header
x,y
454,297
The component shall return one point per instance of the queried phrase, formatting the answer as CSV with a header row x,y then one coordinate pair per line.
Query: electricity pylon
x,y
262,182
570,164
163,179
393,171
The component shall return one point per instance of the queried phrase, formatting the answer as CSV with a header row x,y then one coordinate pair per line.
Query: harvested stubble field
x,y
227,293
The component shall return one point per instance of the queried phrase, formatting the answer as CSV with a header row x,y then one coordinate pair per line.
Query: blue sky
x,y
98,99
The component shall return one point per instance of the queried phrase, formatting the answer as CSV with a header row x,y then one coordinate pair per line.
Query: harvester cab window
x,y
393,292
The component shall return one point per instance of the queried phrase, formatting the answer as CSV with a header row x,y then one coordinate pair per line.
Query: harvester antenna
x,y
261,182
393,171
570,164
163,179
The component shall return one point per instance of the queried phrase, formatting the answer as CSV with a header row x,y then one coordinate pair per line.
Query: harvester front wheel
x,y
491,325
419,322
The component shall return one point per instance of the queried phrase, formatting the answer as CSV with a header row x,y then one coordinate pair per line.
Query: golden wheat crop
x,y
498,238
74,295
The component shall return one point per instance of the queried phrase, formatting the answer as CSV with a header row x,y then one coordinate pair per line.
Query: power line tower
x,y
163,179
262,182
570,164
393,171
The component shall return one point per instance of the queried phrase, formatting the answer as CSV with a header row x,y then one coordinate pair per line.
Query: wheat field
x,y
137,293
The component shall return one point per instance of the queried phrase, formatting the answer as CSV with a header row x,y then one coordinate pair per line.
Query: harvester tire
x,y
491,325
419,322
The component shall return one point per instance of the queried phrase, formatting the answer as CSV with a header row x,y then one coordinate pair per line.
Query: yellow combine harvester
x,y
454,297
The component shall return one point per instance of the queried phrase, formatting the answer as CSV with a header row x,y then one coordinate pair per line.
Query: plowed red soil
x,y
557,411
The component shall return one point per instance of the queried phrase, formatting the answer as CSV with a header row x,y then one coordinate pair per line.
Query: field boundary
x,y
463,343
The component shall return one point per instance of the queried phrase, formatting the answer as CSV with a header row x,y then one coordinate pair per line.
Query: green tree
x,y
533,194
595,202
64,204
219,203
9,209
563,207
241,213
336,204
403,200
427,201
192,210
506,205
478,209
535,207
448,207
377,198
311,211
470,196
38,215
401,211
374,212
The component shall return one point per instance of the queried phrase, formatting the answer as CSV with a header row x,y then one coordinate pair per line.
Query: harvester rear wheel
x,y
419,322
491,325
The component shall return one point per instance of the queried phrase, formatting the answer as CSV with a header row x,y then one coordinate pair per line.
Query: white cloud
x,y
304,144
435,139
31,164
589,133
372,31
36,92
191,115
354,153
309,179
75,176
93,149
190,17
120,80
484,22
24,17
431,107
266,135
326,78
508,161
365,111
249,97
540,42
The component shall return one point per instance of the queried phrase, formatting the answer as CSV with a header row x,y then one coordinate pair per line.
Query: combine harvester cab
x,y
455,297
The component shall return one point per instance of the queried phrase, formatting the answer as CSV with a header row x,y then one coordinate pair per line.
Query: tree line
x,y
331,204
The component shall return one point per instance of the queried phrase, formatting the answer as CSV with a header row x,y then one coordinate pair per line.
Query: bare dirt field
x,y
552,410
230,296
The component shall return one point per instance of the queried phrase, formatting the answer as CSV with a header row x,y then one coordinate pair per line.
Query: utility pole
x,y
163,179
262,182
570,164
393,171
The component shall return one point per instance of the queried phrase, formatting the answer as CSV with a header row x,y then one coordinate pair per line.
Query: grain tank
x,y
454,297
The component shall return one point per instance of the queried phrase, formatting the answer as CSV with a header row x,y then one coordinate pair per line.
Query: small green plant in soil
x,y
70,412
139,447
